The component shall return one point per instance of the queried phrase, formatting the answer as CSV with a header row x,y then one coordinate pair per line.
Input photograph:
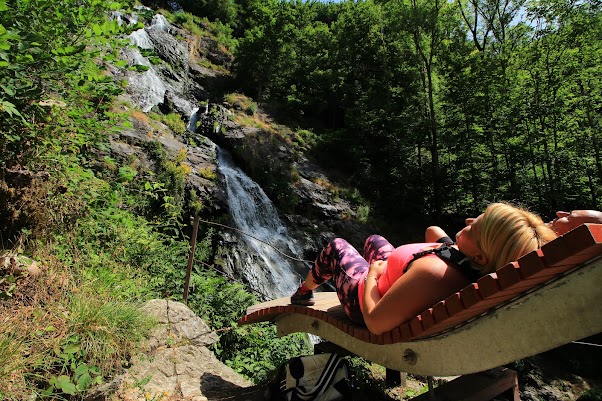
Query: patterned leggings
x,y
343,262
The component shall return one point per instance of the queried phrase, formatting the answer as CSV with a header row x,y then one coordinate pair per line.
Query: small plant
x,y
172,120
139,68
305,139
155,60
127,174
208,173
75,375
241,102
363,213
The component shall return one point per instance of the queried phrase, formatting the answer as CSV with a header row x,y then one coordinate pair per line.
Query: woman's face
x,y
467,239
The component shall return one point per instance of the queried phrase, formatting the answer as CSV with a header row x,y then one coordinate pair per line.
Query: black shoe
x,y
306,299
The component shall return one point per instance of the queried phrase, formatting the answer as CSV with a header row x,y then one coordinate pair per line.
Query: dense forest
x,y
430,108
435,106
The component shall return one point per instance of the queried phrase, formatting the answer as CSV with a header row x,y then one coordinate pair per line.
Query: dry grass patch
x,y
254,121
138,115
55,325
33,323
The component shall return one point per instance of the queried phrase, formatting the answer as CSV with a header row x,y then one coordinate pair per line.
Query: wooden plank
x,y
453,304
469,295
509,276
427,319
488,286
406,332
439,313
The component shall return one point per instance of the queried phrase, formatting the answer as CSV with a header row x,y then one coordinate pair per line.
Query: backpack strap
x,y
452,256
324,381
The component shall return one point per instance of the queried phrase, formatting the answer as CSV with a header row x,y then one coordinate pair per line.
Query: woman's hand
x,y
377,267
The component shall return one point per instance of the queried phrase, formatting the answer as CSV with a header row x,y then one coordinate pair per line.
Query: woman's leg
x,y
377,248
341,261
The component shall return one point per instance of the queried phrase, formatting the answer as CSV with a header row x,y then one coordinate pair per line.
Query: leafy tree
x,y
42,46
224,10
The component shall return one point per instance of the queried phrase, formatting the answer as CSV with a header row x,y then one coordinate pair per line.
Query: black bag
x,y
322,377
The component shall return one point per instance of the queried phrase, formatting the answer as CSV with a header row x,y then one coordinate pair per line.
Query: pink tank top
x,y
396,264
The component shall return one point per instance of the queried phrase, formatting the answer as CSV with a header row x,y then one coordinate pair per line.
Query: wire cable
x,y
257,239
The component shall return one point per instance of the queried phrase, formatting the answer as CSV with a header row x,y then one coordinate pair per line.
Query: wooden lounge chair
x,y
546,299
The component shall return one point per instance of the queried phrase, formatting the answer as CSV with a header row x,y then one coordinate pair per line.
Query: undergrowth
x,y
108,234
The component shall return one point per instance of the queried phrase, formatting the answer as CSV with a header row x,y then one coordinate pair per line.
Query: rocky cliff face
x,y
175,79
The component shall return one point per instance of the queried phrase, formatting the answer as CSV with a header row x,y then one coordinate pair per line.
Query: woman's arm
x,y
427,282
371,294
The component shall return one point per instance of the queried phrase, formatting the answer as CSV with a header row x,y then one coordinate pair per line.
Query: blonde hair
x,y
508,232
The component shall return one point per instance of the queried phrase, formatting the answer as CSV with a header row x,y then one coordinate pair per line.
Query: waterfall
x,y
192,120
263,268
141,39
253,213
159,22
148,86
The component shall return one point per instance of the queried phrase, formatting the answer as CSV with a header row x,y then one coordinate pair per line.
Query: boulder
x,y
175,363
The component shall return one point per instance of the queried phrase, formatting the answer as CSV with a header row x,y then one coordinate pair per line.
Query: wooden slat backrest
x,y
559,256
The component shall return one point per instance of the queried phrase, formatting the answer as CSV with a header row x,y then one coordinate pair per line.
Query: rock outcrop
x,y
175,363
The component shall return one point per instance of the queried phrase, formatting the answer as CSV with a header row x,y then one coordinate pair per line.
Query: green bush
x,y
172,120
256,351
58,49
593,394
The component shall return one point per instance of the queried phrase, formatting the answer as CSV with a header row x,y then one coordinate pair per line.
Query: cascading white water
x,y
149,88
254,213
160,22
141,39
192,120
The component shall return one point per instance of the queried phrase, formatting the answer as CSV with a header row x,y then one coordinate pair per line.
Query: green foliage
x,y
103,332
256,351
168,188
172,120
429,113
81,376
363,213
223,10
7,286
208,173
121,254
42,56
241,102
593,394
305,139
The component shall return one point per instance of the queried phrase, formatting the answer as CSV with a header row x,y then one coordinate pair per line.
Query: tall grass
x,y
106,330
11,360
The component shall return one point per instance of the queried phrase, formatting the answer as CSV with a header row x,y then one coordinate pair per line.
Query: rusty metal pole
x,y
195,229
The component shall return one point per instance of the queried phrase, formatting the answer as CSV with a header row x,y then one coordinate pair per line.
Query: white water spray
x,y
254,213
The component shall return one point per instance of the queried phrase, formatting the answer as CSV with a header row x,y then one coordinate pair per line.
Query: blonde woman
x,y
387,286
